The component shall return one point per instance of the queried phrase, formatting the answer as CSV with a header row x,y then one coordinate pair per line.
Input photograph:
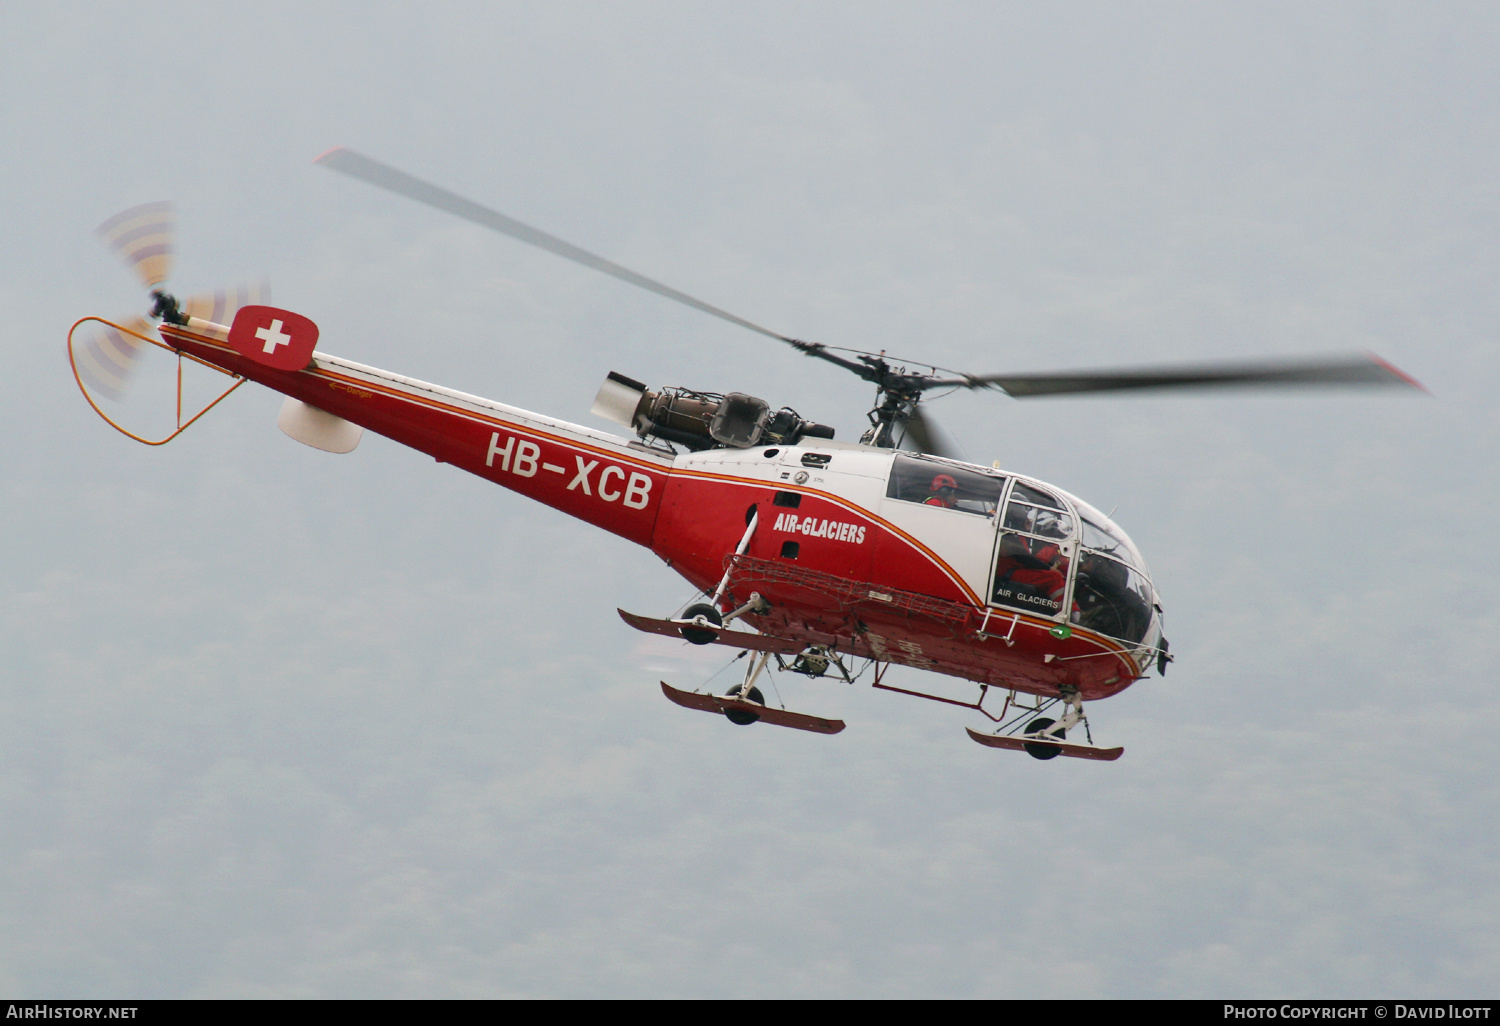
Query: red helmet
x,y
944,481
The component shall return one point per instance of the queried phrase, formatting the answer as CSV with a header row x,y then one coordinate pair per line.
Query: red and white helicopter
x,y
841,557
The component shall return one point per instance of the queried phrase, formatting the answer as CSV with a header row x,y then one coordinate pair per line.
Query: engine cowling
x,y
700,420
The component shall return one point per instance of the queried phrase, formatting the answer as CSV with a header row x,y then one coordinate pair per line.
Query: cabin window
x,y
945,485
1033,511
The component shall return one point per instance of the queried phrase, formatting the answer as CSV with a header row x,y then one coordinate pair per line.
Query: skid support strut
x,y
740,551
755,605
752,674
1073,703
701,620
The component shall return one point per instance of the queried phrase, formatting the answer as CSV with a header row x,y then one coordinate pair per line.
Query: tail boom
x,y
602,479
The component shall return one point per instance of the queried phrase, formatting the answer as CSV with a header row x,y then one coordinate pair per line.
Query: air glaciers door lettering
x,y
812,527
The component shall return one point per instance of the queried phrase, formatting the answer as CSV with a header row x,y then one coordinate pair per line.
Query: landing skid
x,y
725,704
1025,744
723,636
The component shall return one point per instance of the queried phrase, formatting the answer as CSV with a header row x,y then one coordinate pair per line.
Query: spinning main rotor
x,y
899,391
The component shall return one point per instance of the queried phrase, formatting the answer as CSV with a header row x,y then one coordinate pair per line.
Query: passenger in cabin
x,y
962,489
943,492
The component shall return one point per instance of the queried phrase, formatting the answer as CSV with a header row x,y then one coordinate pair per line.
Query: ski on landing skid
x,y
734,639
765,713
1018,744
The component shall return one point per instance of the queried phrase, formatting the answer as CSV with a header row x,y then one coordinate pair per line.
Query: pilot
x,y
1039,565
943,492
1113,606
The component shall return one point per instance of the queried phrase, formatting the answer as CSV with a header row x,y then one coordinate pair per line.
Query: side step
x,y
766,714
1019,744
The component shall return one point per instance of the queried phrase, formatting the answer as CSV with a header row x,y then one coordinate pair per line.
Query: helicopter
x,y
820,557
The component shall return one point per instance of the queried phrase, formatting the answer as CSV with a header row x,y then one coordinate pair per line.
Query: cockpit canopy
x,y
1112,590
1054,554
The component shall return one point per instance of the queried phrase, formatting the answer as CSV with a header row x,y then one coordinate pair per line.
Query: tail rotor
x,y
144,238
108,355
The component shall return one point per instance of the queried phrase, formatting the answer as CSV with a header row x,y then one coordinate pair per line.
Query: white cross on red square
x,y
273,337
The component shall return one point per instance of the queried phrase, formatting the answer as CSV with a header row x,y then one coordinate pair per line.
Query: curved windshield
x,y
1112,598
1101,539
1103,535
1112,593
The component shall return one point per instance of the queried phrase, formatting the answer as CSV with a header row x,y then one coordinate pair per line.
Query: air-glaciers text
x,y
812,527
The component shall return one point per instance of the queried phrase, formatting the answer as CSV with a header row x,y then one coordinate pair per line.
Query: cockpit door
x,y
1036,540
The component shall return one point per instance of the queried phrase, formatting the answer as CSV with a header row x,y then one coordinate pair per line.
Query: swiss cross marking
x,y
273,336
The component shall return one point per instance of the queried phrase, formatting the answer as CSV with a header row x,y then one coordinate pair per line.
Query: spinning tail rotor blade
x,y
1351,371
359,166
143,238
108,356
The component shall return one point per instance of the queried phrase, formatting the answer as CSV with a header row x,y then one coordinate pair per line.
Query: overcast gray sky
x,y
280,723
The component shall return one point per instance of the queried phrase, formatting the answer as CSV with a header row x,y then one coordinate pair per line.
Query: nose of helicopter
x,y
1112,588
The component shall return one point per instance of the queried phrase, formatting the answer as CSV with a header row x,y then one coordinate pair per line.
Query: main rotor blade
x,y
922,433
1350,371
357,165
